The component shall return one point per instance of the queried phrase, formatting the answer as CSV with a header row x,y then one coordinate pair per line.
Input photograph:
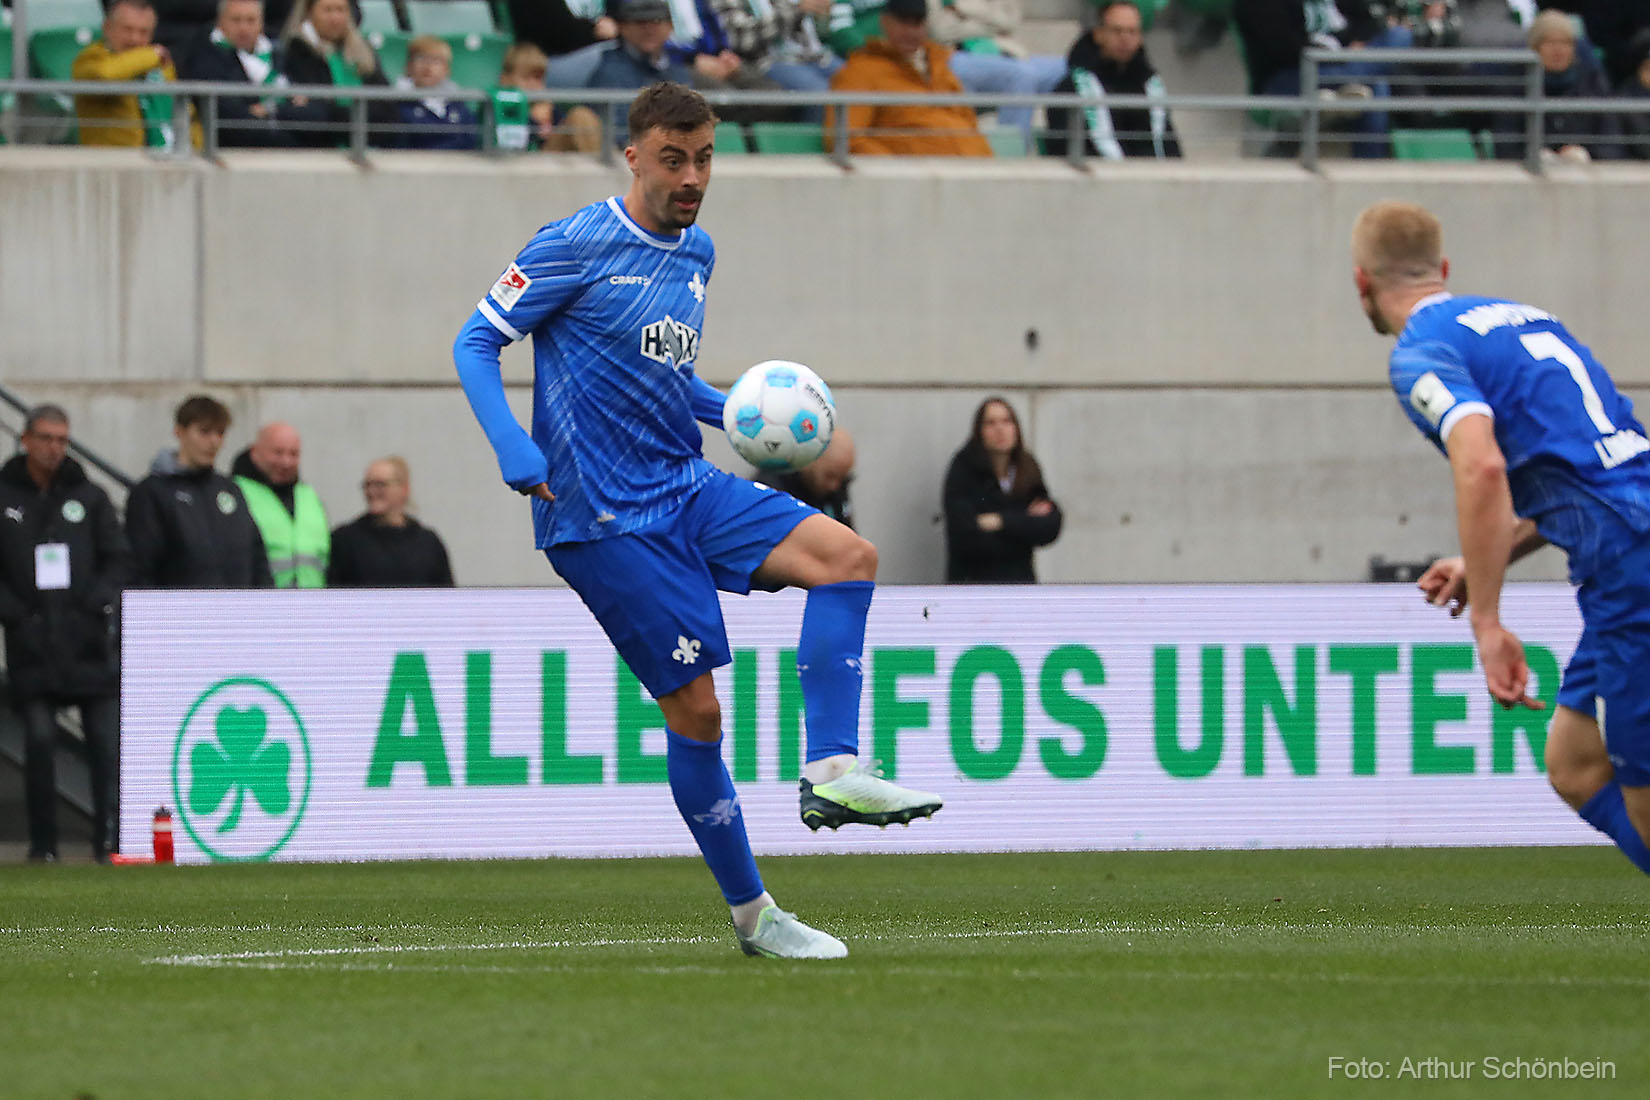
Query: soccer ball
x,y
779,415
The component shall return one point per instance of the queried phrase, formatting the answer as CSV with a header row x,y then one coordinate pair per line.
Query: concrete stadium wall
x,y
1201,387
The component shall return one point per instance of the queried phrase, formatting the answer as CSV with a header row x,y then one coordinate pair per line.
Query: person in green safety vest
x,y
288,511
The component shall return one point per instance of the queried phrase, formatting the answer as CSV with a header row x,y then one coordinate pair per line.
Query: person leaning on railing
x,y
125,52
1635,125
1567,72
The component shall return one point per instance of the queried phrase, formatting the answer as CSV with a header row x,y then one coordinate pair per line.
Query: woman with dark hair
x,y
997,507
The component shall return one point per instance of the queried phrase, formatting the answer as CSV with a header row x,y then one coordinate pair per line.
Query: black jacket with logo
x,y
60,642
190,528
1131,126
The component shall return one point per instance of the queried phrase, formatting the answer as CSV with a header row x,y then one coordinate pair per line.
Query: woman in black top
x,y
997,507
384,547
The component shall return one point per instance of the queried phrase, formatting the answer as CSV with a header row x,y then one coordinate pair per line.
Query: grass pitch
x,y
1231,974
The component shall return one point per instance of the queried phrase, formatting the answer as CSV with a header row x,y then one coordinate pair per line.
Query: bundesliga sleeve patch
x,y
510,287
1431,398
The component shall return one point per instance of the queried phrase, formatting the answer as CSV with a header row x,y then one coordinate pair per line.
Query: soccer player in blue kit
x,y
637,522
1543,449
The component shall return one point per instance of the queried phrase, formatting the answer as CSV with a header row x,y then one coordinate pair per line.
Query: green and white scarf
x,y
158,132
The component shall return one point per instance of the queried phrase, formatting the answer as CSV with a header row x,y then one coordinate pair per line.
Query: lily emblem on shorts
x,y
687,649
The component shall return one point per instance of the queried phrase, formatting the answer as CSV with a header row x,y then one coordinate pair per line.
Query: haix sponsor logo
x,y
670,341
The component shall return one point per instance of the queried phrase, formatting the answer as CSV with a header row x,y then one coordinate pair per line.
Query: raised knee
x,y
1575,781
859,563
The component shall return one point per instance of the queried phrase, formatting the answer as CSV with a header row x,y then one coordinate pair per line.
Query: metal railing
x,y
86,454
361,132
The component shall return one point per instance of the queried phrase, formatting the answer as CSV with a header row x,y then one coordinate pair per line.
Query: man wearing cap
x,y
906,59
638,57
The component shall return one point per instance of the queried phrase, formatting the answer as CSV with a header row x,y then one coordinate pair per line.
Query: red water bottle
x,y
163,835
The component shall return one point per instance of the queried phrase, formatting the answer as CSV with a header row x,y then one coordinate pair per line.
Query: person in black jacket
x,y
235,51
384,547
188,524
1111,60
1635,125
997,506
321,44
63,562
1567,72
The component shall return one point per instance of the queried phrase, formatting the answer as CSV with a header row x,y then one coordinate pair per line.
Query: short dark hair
x,y
1106,5
53,414
208,412
140,5
669,106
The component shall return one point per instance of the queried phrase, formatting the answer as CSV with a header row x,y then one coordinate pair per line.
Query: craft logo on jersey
x,y
670,342
510,287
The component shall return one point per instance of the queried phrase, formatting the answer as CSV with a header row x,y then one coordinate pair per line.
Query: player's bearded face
x,y
673,168
1366,298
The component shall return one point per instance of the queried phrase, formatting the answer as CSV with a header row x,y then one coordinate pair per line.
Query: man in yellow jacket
x,y
287,510
123,54
905,59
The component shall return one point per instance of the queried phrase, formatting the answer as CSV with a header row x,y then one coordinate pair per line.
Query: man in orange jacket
x,y
905,59
125,53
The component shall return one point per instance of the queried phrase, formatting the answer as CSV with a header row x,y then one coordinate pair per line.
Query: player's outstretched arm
x,y
475,354
1489,533
708,402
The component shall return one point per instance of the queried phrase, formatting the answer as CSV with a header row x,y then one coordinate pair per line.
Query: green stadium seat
x,y
730,140
378,16
52,52
391,48
788,137
1006,141
51,15
1433,145
477,59
450,17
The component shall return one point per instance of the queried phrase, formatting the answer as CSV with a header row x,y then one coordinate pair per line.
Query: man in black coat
x,y
63,562
188,524
235,51
1111,60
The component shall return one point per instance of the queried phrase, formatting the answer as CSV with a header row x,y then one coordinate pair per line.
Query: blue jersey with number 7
x,y
1577,459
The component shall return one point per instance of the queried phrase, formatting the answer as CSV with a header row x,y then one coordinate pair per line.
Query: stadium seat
x,y
391,48
50,15
787,137
477,59
730,139
52,52
450,17
1005,141
378,16
1433,145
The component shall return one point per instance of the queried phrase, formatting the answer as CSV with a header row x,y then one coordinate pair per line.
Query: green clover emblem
x,y
242,771
237,763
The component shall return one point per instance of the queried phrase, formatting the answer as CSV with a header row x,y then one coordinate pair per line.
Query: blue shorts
x,y
1608,678
654,590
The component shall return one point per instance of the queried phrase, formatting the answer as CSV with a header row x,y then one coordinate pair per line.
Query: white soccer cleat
x,y
779,935
861,796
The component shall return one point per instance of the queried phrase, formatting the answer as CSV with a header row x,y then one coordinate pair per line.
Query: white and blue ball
x,y
779,415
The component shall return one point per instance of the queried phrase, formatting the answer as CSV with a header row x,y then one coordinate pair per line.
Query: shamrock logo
x,y
240,762
241,770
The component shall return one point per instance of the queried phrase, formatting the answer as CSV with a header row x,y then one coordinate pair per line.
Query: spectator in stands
x,y
781,39
384,547
638,58
992,61
63,562
1635,125
321,44
235,51
1573,136
997,507
1111,60
905,59
1611,26
577,130
288,511
188,524
126,52
433,121
822,483
1276,32
180,22
572,33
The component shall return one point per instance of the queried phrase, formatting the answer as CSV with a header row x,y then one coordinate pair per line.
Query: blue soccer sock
x,y
1607,813
828,658
704,794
